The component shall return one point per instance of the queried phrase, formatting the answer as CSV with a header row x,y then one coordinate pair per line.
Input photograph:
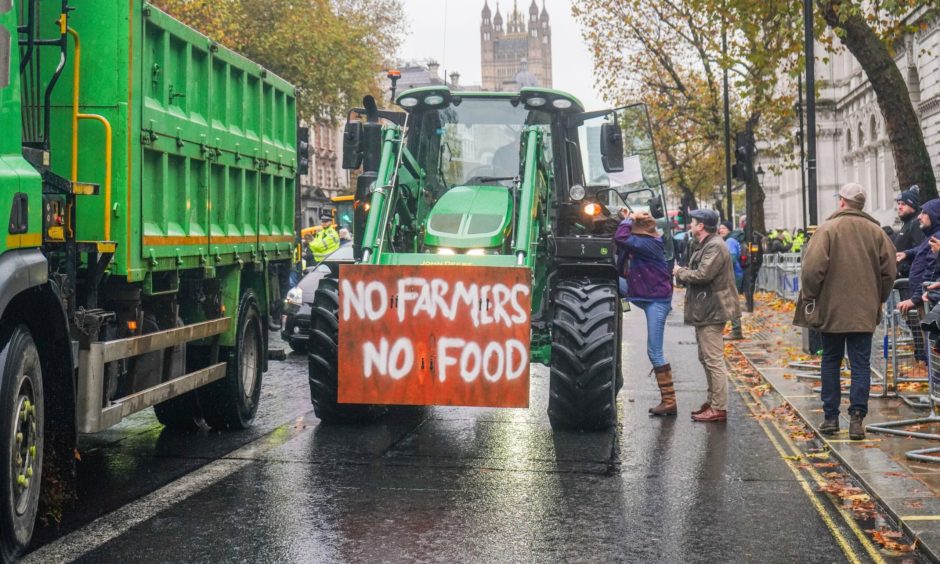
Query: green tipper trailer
x,y
149,177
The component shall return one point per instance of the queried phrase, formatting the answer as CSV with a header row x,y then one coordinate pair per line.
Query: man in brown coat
x,y
848,272
711,300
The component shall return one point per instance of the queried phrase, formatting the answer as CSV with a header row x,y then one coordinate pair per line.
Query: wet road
x,y
446,484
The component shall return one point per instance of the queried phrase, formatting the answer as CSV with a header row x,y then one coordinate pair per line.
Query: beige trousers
x,y
711,353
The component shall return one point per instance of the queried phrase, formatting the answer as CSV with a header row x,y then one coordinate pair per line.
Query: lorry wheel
x,y
585,355
232,402
21,438
323,366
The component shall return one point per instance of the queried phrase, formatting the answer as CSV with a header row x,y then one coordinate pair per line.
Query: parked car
x,y
295,320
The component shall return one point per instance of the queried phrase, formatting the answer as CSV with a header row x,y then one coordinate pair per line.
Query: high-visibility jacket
x,y
324,242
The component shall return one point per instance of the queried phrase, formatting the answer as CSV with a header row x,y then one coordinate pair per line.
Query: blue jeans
x,y
622,284
656,313
835,347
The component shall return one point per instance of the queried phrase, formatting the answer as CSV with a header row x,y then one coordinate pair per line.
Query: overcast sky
x,y
571,61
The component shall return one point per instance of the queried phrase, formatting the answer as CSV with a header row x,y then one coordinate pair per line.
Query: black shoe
x,y
857,427
829,426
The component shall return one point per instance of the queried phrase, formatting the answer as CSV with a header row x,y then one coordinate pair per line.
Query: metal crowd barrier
x,y
780,273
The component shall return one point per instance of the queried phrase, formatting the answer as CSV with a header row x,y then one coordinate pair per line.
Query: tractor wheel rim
x,y
25,444
249,361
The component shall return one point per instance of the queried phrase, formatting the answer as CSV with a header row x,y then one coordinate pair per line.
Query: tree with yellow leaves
x,y
667,53
331,50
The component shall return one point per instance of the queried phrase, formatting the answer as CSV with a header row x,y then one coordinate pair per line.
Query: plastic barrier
x,y
780,273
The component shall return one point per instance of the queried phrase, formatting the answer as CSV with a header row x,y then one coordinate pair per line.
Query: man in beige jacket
x,y
848,272
711,300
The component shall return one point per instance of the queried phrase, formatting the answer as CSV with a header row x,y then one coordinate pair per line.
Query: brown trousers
x,y
711,353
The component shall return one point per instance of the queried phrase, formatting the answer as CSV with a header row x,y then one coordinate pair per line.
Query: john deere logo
x,y
604,250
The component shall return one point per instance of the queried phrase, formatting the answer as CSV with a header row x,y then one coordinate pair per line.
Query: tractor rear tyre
x,y
586,328
21,440
232,402
324,361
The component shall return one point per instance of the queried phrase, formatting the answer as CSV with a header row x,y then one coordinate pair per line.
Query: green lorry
x,y
483,232
149,176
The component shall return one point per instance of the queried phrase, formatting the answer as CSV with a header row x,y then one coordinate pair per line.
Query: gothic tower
x,y
519,54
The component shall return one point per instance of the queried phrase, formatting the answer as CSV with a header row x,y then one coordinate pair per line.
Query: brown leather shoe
x,y
704,407
711,415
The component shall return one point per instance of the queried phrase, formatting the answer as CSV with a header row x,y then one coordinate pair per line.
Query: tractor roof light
x,y
534,98
429,97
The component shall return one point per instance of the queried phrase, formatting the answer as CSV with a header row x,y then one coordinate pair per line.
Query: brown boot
x,y
668,404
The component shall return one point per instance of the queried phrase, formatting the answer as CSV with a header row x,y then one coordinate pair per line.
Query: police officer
x,y
326,239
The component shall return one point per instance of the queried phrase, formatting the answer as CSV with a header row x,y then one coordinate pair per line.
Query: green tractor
x,y
470,208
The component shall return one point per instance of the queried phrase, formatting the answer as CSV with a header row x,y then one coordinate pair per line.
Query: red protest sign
x,y
434,335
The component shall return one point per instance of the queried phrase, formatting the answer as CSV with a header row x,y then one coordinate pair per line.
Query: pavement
x,y
468,484
907,490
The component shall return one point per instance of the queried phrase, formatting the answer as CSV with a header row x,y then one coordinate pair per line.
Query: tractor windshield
x,y
475,142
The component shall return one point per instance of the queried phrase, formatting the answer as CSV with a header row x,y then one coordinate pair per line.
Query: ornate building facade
x,y
852,145
518,53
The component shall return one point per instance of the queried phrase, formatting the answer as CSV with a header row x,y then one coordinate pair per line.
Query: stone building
x,y
852,145
518,53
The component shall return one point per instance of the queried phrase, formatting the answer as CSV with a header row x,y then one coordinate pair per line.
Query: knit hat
x,y
911,197
708,217
727,225
644,224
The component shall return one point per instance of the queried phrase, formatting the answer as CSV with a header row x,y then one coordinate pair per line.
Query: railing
x,y
780,273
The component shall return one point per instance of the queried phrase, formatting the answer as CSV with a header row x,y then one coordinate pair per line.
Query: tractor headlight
x,y
445,251
476,252
576,192
592,209
561,103
295,297
408,102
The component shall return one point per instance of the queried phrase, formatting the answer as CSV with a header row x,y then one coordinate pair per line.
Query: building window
x,y
861,137
873,129
848,139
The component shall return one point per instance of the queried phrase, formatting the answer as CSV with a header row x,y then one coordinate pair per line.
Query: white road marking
x,y
107,527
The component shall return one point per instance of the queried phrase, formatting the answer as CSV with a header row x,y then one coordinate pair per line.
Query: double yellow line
x,y
791,459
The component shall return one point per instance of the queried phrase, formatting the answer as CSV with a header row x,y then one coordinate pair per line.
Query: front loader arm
x,y
527,210
381,196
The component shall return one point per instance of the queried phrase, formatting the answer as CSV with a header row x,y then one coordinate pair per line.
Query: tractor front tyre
x,y
21,439
232,402
586,328
324,361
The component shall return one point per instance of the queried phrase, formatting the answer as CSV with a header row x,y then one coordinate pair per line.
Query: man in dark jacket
x,y
847,273
921,257
910,234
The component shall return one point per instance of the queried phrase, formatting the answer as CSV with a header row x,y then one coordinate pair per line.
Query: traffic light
x,y
744,153
303,150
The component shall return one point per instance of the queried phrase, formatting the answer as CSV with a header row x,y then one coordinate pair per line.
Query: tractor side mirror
x,y
656,208
612,147
352,155
371,146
